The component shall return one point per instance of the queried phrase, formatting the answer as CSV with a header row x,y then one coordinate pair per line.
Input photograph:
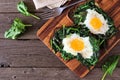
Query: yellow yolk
x,y
77,44
96,23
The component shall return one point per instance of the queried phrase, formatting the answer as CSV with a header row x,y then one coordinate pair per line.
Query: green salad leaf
x,y
16,29
22,8
110,65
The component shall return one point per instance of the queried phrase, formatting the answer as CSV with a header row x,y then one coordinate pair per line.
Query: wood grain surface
x,y
28,58
46,32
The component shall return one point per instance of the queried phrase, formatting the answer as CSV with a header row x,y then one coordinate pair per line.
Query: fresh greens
x,y
110,65
22,8
66,56
89,61
16,29
80,13
56,44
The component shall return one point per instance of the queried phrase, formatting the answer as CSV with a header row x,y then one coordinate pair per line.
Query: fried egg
x,y
75,44
95,22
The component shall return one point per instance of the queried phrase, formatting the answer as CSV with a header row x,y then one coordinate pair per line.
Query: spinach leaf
x,y
67,56
110,65
16,29
22,8
88,62
79,17
95,43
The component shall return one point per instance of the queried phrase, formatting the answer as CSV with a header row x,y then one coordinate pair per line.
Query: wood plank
x,y
7,19
26,53
47,30
51,74
32,53
10,5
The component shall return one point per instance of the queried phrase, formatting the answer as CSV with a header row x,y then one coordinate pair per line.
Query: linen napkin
x,y
49,3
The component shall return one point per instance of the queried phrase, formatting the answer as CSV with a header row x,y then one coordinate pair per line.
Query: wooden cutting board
x,y
111,7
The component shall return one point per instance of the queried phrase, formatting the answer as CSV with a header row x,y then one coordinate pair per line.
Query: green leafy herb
x,y
93,60
24,10
110,65
16,29
67,56
89,61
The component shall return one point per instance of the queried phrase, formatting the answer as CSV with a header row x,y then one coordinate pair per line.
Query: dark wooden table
x,y
28,58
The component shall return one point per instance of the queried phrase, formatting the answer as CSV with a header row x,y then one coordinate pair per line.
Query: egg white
x,y
86,52
91,14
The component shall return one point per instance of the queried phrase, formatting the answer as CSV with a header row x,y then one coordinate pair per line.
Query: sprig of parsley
x,y
110,65
16,29
22,8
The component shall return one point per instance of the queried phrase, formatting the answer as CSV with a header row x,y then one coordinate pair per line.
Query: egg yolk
x,y
77,44
96,23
